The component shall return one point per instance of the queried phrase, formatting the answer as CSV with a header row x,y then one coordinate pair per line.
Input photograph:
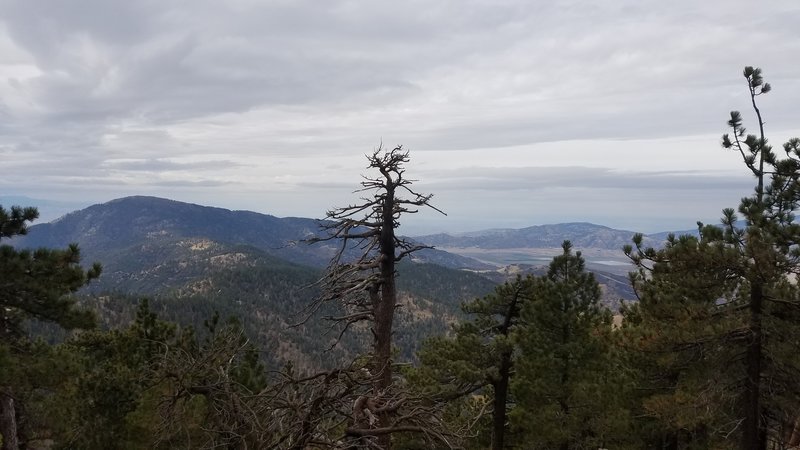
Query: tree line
x,y
706,358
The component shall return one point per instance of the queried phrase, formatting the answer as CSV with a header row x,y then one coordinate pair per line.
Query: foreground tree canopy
x,y
540,349
718,312
34,285
707,358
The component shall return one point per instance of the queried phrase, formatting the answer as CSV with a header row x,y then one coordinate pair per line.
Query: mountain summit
x,y
131,220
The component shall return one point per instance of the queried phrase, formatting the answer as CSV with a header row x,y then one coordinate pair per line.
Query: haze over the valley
x,y
516,113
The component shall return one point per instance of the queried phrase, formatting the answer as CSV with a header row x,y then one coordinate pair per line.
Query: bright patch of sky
x,y
515,112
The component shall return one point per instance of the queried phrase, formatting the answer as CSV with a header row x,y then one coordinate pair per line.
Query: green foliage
x,y
566,385
267,295
32,372
432,296
675,338
474,365
109,400
33,285
15,221
717,322
143,386
550,339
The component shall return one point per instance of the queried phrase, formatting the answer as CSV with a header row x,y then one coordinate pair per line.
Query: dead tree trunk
x,y
384,308
8,422
364,284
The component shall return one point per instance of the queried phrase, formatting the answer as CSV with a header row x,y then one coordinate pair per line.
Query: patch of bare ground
x,y
228,259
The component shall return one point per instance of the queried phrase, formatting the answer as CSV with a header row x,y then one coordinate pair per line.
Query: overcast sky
x,y
516,113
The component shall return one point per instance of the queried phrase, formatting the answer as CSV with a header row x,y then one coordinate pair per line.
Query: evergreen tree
x,y
677,340
34,285
15,221
742,313
479,356
111,399
547,338
153,385
768,255
564,383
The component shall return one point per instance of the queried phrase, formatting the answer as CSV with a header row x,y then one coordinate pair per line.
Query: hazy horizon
x,y
50,211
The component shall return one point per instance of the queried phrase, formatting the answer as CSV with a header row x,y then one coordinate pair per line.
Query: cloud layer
x,y
270,105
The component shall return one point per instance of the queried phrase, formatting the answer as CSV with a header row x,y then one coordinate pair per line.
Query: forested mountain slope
x,y
116,225
193,260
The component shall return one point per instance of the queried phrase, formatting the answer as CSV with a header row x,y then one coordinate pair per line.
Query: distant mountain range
x,y
128,234
107,227
527,248
128,220
193,260
583,235
257,267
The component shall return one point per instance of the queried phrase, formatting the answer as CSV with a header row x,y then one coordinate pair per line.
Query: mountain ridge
x,y
192,260
125,221
581,234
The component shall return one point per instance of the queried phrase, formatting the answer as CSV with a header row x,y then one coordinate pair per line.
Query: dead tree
x,y
288,412
355,406
364,284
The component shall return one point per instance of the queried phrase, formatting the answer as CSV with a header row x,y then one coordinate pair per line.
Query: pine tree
x,y
676,339
769,253
110,400
34,285
564,382
479,355
744,280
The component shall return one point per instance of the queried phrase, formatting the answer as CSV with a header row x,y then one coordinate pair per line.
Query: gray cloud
x,y
239,97
538,178
193,184
161,165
